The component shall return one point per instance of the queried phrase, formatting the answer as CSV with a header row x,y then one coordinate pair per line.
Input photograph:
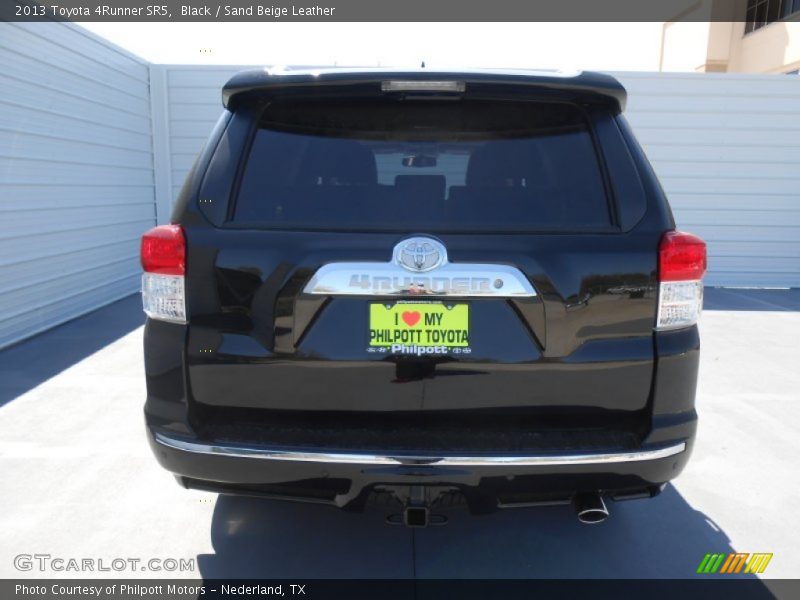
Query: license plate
x,y
419,327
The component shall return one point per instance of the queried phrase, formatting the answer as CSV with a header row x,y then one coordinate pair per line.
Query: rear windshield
x,y
448,166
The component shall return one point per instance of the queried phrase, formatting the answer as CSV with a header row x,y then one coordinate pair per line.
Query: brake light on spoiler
x,y
423,85
163,256
681,266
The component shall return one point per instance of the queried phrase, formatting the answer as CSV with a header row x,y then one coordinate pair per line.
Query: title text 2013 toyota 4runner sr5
x,y
436,288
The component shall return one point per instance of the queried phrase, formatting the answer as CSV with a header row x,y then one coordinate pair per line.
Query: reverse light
x,y
681,266
163,256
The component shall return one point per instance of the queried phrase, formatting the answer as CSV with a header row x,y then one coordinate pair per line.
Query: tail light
x,y
163,255
681,265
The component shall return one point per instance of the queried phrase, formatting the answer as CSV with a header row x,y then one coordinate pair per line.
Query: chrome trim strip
x,y
461,280
419,267
445,461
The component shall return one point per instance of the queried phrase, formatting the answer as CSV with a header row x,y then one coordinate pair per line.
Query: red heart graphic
x,y
411,318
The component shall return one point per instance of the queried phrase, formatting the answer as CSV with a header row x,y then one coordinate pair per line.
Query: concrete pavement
x,y
79,480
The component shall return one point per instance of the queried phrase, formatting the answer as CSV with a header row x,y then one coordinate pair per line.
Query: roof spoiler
x,y
588,87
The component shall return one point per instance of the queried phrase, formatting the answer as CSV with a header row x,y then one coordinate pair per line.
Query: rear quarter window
x,y
437,166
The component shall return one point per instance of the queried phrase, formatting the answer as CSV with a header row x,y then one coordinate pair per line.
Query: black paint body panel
x,y
579,357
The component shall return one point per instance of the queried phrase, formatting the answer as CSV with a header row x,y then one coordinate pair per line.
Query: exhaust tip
x,y
590,508
592,516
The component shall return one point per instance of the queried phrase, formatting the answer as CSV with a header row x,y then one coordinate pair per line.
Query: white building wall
x,y
726,148
191,97
76,174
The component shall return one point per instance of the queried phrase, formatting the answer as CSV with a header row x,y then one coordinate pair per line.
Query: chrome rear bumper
x,y
545,460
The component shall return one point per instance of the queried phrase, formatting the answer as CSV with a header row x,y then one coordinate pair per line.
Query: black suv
x,y
431,287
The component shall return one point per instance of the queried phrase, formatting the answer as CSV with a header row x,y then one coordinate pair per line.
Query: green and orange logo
x,y
735,562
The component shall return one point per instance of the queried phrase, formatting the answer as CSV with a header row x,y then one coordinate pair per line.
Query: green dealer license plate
x,y
419,327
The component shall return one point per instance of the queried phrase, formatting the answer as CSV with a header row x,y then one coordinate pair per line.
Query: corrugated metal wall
x,y
726,148
76,174
194,104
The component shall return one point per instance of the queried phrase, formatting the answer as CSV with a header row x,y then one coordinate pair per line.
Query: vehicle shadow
x,y
259,538
32,362
660,538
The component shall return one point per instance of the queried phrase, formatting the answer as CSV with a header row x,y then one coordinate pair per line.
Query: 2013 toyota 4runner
x,y
428,286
